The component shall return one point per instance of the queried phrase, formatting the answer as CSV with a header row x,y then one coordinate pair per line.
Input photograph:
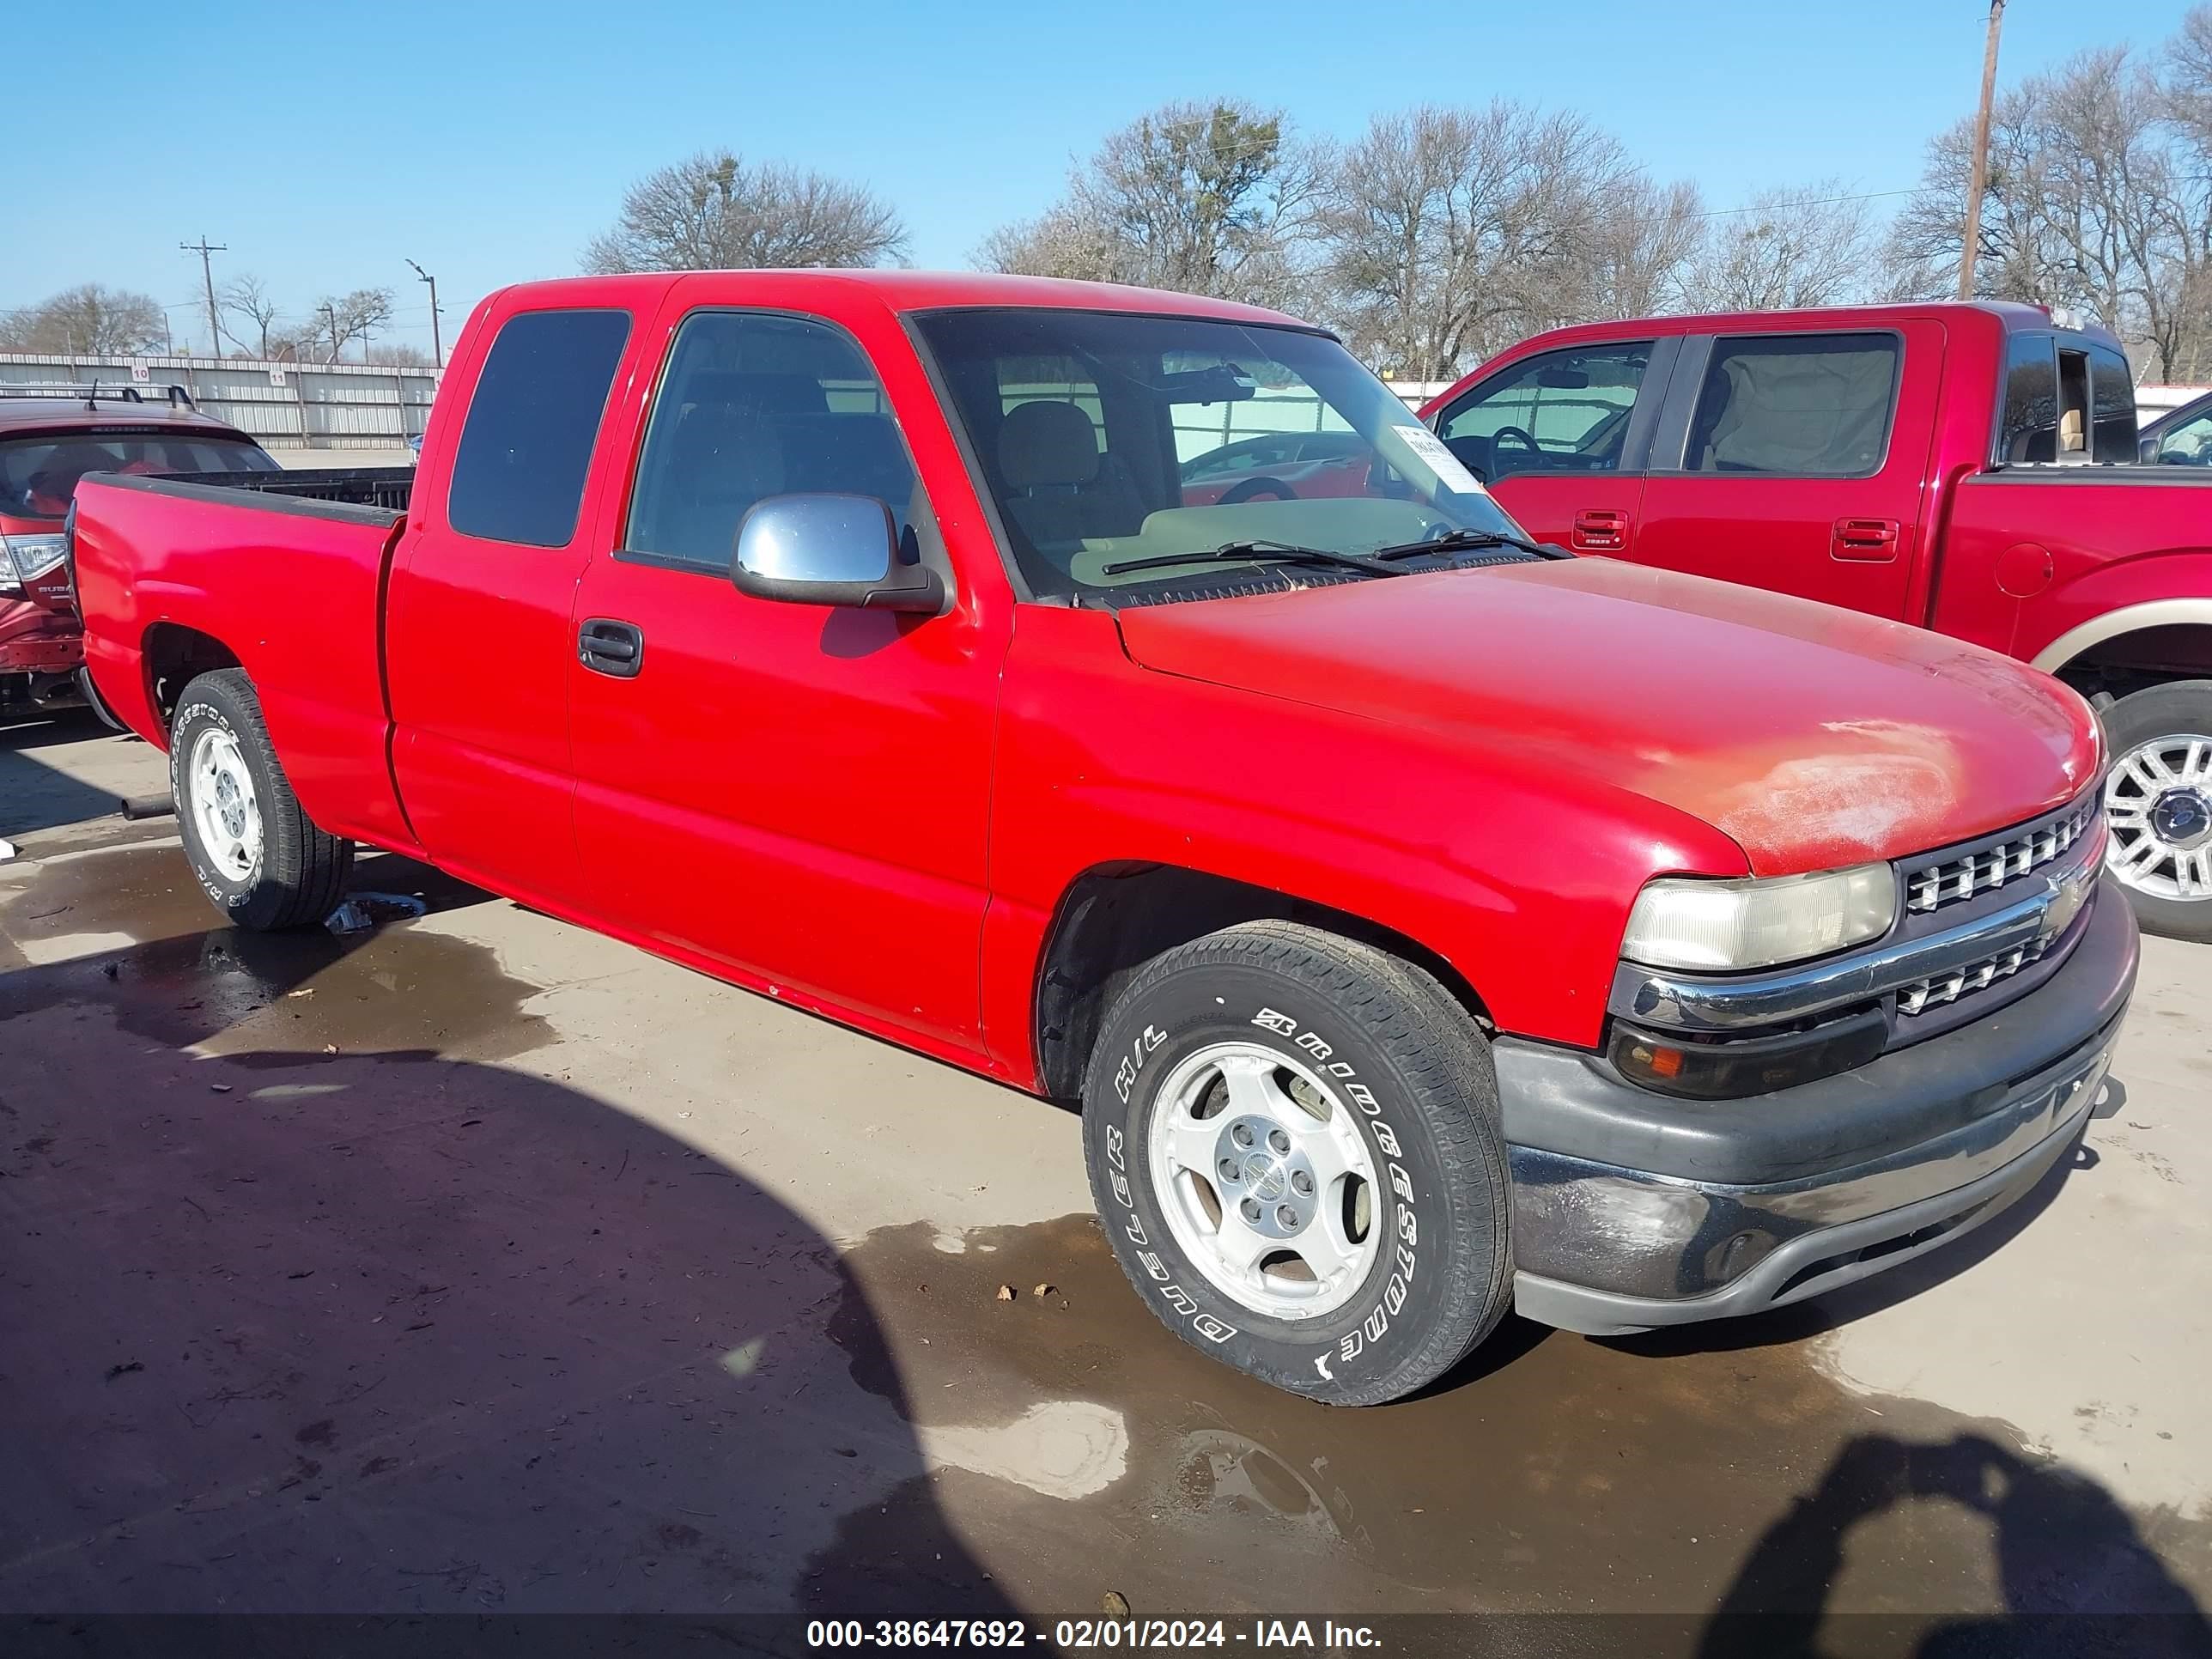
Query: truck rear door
x,y
478,634
1560,437
1795,461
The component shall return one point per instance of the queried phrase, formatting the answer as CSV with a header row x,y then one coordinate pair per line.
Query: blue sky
x,y
326,144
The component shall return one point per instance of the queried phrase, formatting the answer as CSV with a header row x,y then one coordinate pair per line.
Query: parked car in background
x,y
1971,469
1278,466
2180,437
50,437
1430,923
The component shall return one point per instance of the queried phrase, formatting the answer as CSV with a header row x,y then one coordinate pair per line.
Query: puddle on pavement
x,y
131,929
1550,1473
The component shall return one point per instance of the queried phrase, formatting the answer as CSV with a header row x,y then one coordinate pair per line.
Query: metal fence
x,y
286,406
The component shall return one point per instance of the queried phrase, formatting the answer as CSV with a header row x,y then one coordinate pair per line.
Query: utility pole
x,y
203,248
331,317
1971,245
437,349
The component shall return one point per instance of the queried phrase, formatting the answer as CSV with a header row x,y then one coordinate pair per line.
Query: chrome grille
x,y
1978,976
1931,886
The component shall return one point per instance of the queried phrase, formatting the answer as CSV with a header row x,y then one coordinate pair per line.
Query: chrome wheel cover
x,y
2158,805
224,807
1265,1179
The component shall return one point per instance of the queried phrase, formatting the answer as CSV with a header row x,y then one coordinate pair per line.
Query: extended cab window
x,y
520,473
755,404
1795,405
1564,411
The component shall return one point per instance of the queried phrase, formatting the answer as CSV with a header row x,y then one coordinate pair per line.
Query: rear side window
x,y
755,404
2112,406
2027,426
1795,405
535,417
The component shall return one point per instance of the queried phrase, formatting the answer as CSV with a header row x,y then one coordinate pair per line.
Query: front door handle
x,y
608,647
1865,541
1601,530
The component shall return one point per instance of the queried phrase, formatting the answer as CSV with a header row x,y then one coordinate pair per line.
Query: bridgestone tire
x,y
302,871
1391,1041
2177,708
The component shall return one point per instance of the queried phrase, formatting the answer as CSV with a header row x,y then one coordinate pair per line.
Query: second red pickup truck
x,y
1430,923
1971,469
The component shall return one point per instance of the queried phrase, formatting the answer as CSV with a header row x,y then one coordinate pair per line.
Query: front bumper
x,y
1633,1211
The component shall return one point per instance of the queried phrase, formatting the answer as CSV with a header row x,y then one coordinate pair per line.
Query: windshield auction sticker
x,y
1430,451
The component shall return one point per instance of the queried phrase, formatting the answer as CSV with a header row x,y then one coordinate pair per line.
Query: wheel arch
x,y
2162,638
173,656
1113,917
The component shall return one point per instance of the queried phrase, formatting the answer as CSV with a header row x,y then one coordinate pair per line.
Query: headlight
x,y
26,558
1721,925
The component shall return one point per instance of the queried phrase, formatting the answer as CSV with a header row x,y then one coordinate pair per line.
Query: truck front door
x,y
796,793
1796,462
1559,440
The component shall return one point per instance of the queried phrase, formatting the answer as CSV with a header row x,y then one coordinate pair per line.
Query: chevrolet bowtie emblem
x,y
2068,895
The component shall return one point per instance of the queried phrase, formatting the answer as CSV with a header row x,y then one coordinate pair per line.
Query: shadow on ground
x,y
298,1321
313,1305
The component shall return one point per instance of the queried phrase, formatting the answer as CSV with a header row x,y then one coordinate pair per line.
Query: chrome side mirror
x,y
829,549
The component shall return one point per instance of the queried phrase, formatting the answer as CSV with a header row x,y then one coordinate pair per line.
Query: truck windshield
x,y
38,475
1112,442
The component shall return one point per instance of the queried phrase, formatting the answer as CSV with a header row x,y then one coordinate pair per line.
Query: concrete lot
x,y
478,1263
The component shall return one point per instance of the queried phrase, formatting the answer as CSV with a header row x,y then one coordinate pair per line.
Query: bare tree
x,y
248,297
1447,233
2099,198
1202,199
90,319
713,212
1807,244
354,316
396,355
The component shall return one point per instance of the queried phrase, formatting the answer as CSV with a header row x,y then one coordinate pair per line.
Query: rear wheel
x,y
1294,1145
256,854
2158,803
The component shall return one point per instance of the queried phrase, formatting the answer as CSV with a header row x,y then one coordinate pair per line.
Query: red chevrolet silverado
x,y
1430,923
1968,468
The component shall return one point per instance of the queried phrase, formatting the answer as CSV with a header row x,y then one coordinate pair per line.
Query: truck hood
x,y
1814,737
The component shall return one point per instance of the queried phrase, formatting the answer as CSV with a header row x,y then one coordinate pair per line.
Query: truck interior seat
x,y
1061,490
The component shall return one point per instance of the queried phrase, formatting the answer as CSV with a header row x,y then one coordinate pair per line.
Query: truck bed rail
x,y
391,487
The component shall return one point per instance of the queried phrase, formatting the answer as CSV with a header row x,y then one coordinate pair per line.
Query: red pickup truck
x,y
1430,923
1968,468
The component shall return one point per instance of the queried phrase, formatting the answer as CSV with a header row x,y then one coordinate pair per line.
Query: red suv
x,y
51,437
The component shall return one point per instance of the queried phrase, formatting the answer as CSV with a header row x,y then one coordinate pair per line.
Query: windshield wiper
x,y
1247,552
1457,540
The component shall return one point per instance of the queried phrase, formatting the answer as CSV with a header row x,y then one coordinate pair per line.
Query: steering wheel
x,y
1252,489
1520,438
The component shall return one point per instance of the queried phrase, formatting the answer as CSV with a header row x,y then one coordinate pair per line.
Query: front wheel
x,y
256,854
1294,1144
2158,804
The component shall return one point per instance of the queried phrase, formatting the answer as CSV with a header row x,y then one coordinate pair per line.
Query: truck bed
x,y
282,573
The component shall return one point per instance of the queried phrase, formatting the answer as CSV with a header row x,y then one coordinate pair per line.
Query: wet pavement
x,y
473,1264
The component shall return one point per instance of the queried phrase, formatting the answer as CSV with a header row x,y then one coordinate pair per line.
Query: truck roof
x,y
2011,317
914,291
